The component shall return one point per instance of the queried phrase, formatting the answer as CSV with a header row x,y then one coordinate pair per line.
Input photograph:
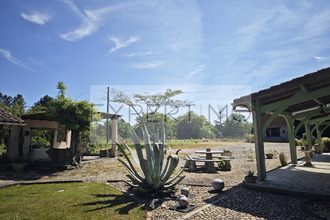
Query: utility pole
x,y
108,94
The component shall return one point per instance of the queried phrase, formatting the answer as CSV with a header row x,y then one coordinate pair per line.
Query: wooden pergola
x,y
305,99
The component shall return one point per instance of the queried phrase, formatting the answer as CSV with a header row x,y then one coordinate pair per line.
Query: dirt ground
x,y
112,169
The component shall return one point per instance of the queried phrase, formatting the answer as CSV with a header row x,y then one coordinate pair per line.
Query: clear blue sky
x,y
191,43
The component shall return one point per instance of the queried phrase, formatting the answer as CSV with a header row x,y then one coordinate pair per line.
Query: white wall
x,y
35,154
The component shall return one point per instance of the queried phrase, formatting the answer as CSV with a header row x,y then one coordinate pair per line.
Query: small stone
x,y
185,191
183,201
218,184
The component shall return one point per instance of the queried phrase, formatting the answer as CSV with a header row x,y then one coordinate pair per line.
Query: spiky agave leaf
x,y
157,136
174,161
149,151
156,174
137,176
137,145
174,178
133,155
145,168
166,167
175,183
157,159
128,160
137,182
162,146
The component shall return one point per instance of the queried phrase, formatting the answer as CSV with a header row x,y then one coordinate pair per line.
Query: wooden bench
x,y
208,163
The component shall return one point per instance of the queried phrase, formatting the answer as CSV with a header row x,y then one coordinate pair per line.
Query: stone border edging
x,y
208,205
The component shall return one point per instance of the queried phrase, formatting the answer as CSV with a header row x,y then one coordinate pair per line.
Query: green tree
x,y
153,103
191,125
236,126
43,105
221,116
74,115
158,120
98,131
16,106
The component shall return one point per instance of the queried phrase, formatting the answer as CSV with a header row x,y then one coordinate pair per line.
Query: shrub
x,y
273,151
283,159
249,153
249,173
297,142
249,138
302,142
325,141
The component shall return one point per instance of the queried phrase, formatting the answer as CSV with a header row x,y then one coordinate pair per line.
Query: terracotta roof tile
x,y
8,118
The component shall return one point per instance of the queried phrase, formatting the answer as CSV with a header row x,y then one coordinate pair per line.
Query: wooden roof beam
x,y
306,90
299,97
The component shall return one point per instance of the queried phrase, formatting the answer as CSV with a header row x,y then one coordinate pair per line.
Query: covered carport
x,y
305,99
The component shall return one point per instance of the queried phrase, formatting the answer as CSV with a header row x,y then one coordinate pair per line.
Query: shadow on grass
x,y
113,201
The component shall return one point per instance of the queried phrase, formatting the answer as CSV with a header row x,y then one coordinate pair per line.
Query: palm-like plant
x,y
150,175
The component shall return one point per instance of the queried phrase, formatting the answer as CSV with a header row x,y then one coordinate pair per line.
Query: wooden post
x,y
259,143
308,134
292,142
319,139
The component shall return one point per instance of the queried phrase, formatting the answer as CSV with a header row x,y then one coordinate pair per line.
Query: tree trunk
x,y
75,150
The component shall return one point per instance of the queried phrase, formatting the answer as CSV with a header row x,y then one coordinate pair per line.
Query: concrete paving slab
x,y
298,179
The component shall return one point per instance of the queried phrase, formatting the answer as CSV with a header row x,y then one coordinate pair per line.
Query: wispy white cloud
x,y
89,25
147,65
321,59
140,54
7,54
74,8
120,43
92,20
193,73
37,17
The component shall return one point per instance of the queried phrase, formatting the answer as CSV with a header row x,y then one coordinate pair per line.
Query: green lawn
x,y
67,201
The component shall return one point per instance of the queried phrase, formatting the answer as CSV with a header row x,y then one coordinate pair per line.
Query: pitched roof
x,y
7,118
312,81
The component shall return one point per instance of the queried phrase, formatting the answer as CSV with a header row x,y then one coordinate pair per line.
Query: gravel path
x,y
234,203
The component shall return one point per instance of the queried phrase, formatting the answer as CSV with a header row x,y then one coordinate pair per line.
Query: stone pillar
x,y
114,136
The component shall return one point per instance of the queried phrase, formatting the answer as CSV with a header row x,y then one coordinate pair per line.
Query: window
x,y
41,138
273,132
61,134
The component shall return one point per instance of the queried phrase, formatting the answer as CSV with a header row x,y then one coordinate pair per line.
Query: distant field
x,y
175,144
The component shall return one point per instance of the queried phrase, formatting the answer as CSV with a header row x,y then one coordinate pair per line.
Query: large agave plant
x,y
149,174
